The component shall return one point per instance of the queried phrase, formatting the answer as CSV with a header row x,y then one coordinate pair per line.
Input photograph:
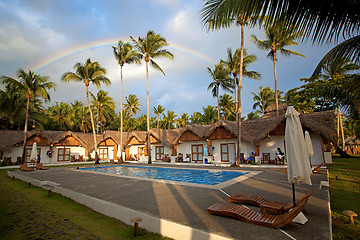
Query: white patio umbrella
x,y
309,145
34,153
298,165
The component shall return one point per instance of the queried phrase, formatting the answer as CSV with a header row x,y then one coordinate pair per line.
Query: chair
x,y
279,161
24,167
73,159
266,159
81,158
113,162
7,160
316,169
265,204
242,158
39,166
247,215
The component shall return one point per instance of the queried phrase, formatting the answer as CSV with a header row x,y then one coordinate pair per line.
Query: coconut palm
x,y
209,115
227,105
158,110
183,120
13,107
33,86
263,98
170,118
150,48
124,54
301,99
61,114
105,108
132,104
252,116
89,72
195,117
220,79
277,39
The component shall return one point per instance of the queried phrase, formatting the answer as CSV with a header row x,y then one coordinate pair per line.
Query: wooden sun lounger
x,y
247,215
24,167
316,169
113,162
265,204
39,166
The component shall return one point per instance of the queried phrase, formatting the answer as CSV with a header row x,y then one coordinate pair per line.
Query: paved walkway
x,y
185,206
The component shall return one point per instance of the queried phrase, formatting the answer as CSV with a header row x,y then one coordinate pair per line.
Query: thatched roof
x,y
259,129
352,141
166,137
9,138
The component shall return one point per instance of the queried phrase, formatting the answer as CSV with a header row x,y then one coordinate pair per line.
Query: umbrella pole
x,y
293,189
310,162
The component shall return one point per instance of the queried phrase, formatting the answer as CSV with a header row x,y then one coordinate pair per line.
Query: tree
x,y
183,120
263,98
209,115
301,99
195,117
132,104
90,72
227,105
61,115
277,38
124,53
220,79
170,118
33,86
252,116
150,48
105,108
158,110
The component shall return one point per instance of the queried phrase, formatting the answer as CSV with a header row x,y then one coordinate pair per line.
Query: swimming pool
x,y
194,176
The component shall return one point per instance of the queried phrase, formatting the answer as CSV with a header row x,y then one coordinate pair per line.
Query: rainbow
x,y
49,60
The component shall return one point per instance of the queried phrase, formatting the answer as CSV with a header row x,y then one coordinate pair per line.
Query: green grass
x,y
344,176
29,213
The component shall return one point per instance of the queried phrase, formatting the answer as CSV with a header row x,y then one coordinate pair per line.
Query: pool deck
x,y
179,211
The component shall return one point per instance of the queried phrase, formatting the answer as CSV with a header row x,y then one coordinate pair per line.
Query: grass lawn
x,y
28,213
344,177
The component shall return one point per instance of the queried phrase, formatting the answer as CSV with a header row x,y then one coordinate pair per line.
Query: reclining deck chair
x,y
259,201
24,167
247,215
39,166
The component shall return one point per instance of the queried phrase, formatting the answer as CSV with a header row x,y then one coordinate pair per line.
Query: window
x,y
103,153
28,154
141,151
224,152
159,153
63,154
197,152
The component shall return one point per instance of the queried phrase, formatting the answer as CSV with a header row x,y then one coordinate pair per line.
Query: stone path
x,y
36,223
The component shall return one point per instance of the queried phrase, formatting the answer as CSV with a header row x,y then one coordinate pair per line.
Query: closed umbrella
x,y
34,153
309,145
298,165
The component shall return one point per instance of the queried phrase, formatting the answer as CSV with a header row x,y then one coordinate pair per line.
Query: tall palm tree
x,y
209,115
183,120
195,117
220,79
61,114
252,116
277,39
33,86
132,104
158,110
105,108
170,118
151,47
263,98
89,72
124,53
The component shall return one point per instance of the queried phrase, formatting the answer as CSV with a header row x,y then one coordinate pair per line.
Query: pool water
x,y
206,177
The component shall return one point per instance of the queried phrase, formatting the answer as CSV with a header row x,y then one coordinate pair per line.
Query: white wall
x,y
167,150
17,152
134,149
246,148
318,157
270,145
73,151
185,147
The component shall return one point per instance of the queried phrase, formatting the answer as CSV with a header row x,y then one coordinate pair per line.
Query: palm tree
x,y
151,47
132,104
158,110
263,98
170,118
33,86
277,39
183,120
90,72
195,117
321,22
252,116
61,115
209,115
124,53
302,100
105,108
220,77
227,105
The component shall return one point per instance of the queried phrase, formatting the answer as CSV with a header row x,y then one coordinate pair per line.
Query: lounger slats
x,y
247,215
258,201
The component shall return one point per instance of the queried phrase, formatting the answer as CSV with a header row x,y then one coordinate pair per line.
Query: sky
x,y
49,37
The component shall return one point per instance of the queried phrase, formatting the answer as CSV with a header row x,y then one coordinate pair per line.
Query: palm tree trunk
x,y
342,129
158,121
121,112
276,92
148,111
97,119
235,95
238,118
218,102
25,128
92,125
